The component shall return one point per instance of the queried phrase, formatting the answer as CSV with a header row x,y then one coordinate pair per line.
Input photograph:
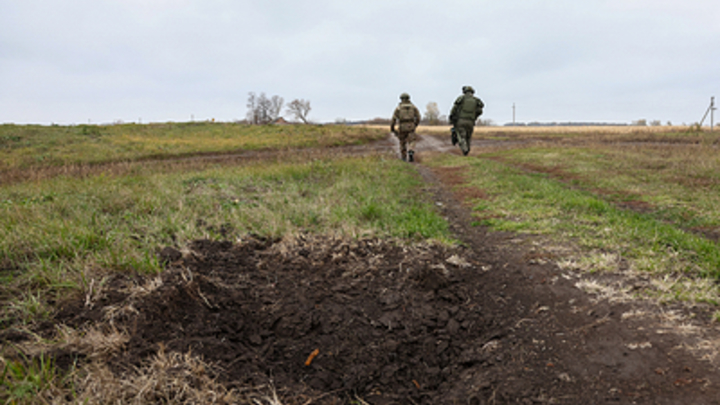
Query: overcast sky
x,y
101,61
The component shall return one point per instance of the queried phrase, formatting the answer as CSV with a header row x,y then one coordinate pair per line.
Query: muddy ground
x,y
328,320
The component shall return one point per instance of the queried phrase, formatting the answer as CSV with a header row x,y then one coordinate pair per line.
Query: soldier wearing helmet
x,y
465,111
407,117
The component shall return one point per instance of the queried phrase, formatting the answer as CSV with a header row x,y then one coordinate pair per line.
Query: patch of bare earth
x,y
330,320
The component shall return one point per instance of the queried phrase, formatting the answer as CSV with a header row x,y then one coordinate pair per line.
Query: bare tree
x,y
432,113
276,105
299,108
263,110
252,109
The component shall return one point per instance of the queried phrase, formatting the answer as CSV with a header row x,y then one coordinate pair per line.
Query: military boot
x,y
411,156
464,146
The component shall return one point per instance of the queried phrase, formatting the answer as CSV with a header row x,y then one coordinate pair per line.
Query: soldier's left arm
x,y
393,120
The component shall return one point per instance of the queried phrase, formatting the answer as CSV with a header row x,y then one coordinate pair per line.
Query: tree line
x,y
262,110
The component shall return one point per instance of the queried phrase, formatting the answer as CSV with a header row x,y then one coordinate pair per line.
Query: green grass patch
x,y
24,380
55,236
680,183
538,203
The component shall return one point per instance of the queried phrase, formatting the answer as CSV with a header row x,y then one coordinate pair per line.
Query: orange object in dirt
x,y
312,356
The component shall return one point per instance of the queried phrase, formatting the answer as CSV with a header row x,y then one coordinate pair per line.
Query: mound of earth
x,y
330,320
317,316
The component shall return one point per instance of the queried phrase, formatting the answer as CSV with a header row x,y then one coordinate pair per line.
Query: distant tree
x,y
432,113
486,123
655,123
299,109
263,110
251,105
640,123
276,106
669,123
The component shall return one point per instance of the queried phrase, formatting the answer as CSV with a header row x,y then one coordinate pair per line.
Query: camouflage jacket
x,y
466,107
407,115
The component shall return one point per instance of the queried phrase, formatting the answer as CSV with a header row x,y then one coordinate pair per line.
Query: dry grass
x,y
168,378
584,130
35,146
624,129
173,164
611,292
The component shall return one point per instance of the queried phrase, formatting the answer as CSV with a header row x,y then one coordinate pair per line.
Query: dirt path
x,y
579,347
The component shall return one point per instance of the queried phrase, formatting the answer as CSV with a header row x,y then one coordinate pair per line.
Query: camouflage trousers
x,y
407,142
464,130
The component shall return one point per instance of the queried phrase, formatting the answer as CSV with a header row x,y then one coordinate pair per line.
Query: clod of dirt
x,y
169,255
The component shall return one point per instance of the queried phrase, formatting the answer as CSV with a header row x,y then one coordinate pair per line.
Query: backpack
x,y
406,113
406,116
467,107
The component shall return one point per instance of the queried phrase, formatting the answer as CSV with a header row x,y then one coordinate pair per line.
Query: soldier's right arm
x,y
395,118
454,111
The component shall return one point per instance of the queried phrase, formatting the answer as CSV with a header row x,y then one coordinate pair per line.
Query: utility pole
x,y
513,114
711,109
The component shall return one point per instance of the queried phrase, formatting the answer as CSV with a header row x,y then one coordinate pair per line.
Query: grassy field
x,y
24,147
622,201
57,235
642,203
633,206
555,132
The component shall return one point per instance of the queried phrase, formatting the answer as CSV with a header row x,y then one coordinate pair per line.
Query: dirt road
x,y
580,347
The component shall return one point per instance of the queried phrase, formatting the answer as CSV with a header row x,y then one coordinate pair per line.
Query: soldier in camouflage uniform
x,y
465,111
407,116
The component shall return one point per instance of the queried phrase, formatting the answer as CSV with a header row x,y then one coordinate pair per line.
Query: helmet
x,y
404,96
466,89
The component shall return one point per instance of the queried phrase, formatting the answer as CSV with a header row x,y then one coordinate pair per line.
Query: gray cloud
x,y
160,60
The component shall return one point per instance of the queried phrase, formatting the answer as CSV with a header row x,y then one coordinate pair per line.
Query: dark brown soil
x,y
330,320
